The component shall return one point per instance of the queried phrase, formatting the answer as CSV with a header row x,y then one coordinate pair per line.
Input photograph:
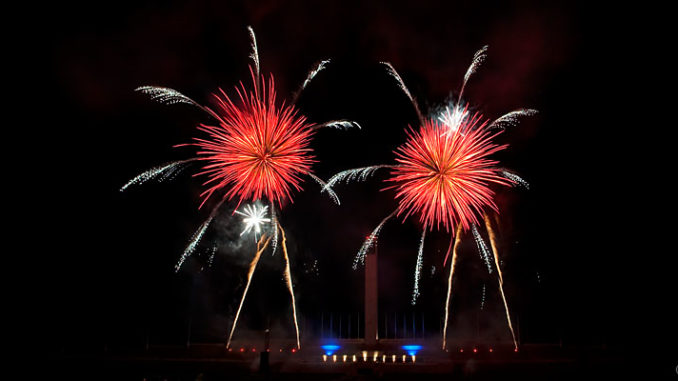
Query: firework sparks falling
x,y
341,124
482,298
314,72
478,59
356,174
444,174
333,195
417,269
393,73
482,248
256,149
517,180
512,118
493,244
197,236
369,242
161,173
274,225
210,262
254,218
165,95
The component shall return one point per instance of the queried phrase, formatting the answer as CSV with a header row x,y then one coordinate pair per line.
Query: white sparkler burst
x,y
453,117
254,217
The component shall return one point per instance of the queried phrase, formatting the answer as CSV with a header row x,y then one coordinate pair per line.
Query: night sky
x,y
110,274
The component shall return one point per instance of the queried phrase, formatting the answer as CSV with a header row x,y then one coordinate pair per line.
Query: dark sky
x,y
112,275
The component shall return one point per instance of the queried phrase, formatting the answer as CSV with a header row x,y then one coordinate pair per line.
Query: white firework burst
x,y
254,217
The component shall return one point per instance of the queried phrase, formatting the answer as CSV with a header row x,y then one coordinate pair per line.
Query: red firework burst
x,y
258,149
444,173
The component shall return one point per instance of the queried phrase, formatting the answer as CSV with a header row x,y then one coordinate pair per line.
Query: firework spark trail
x,y
168,96
274,224
482,248
478,58
250,273
195,239
517,180
457,239
324,188
255,53
340,124
508,314
417,269
321,66
257,150
369,242
500,279
212,254
493,244
393,73
161,172
288,281
355,174
482,298
512,118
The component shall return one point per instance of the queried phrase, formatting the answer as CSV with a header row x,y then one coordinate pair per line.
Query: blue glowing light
x,y
330,349
412,349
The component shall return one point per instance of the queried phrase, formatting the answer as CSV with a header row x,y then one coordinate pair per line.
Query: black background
x,y
108,257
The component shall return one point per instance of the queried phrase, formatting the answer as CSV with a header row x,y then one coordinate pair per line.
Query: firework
x,y
258,150
482,248
417,269
254,217
457,239
444,175
250,273
369,242
160,173
288,282
500,275
255,149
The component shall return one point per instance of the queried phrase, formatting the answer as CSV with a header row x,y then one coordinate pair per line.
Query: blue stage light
x,y
330,349
412,349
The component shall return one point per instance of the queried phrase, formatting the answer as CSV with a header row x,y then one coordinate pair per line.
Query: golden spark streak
x,y
493,243
457,239
288,280
250,273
